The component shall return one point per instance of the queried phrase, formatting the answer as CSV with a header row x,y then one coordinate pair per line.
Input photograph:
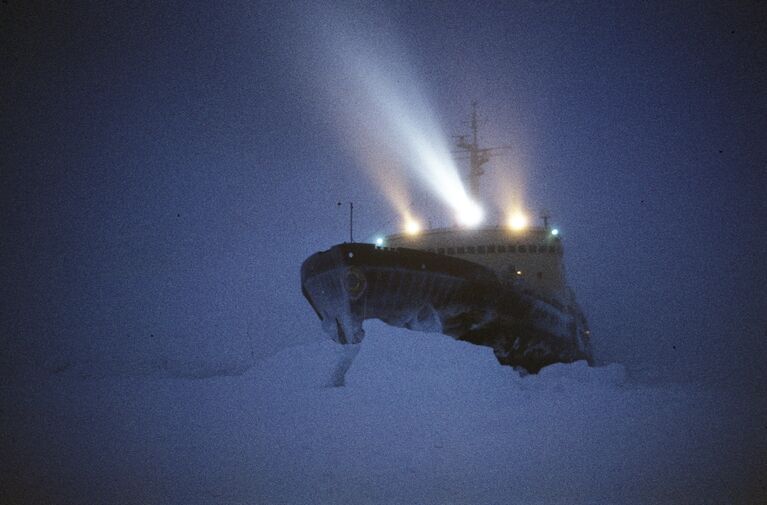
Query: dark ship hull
x,y
425,291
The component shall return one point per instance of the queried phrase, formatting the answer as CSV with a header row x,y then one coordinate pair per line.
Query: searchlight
x,y
518,221
470,214
412,227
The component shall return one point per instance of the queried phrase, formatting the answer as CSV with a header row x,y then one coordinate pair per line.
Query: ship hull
x,y
424,291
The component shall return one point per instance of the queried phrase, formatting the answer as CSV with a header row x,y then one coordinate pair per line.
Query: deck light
x,y
518,222
470,214
412,227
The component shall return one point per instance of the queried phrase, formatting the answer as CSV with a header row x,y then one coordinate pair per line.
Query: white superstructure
x,y
533,255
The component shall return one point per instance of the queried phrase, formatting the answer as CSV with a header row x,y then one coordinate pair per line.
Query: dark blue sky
x,y
166,169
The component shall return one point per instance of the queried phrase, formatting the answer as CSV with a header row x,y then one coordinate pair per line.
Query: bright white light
x,y
406,128
518,222
412,227
555,232
470,214
379,241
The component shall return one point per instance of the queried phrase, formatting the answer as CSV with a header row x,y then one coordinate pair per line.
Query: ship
x,y
493,286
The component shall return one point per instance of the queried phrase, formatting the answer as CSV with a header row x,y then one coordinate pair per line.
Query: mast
x,y
478,156
351,220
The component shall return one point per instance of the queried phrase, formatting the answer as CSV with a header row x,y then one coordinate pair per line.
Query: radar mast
x,y
478,156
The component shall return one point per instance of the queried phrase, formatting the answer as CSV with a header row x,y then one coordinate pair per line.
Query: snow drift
x,y
421,419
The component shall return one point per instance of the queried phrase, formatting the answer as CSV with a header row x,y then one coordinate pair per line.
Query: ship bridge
x,y
532,256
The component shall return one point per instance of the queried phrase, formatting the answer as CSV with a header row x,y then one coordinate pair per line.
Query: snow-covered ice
x,y
421,419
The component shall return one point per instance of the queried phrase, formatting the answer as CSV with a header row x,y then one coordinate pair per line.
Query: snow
x,y
421,419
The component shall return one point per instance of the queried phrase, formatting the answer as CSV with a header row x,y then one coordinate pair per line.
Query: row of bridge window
x,y
498,248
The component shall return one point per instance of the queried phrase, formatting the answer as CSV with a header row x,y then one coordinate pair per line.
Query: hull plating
x,y
407,288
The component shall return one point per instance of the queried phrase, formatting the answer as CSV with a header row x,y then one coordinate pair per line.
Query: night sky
x,y
165,169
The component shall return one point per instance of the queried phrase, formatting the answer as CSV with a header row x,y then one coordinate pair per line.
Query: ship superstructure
x,y
532,256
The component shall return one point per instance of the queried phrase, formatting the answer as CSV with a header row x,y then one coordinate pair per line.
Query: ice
x,y
395,357
421,418
579,373
301,368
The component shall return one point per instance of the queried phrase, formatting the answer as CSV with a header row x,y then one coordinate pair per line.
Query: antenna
x,y
478,156
545,215
351,220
